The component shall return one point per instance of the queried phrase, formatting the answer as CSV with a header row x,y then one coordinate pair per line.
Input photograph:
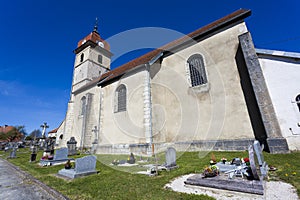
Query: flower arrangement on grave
x,y
211,171
224,160
45,157
246,161
115,162
213,160
68,165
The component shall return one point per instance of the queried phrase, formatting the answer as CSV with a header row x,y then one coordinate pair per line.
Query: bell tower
x,y
92,59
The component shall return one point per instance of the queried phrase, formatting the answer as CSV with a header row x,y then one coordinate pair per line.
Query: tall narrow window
x,y
81,57
100,59
83,105
298,101
120,99
197,70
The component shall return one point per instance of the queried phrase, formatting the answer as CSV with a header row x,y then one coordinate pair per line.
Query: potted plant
x,y
223,160
68,165
211,171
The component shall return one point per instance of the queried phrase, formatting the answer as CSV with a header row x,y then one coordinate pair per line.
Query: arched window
x,y
120,101
298,101
81,57
83,105
197,70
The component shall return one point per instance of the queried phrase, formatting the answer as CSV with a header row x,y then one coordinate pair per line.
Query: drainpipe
x,y
148,103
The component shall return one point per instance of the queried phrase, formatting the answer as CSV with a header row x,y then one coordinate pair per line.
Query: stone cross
x,y
44,126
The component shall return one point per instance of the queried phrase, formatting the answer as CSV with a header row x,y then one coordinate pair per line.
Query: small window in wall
x,y
120,99
100,59
298,101
197,70
81,57
83,105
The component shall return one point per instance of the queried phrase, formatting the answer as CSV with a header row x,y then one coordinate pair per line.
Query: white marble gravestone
x,y
170,158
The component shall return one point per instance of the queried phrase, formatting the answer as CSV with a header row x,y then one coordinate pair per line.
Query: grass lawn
x,y
115,183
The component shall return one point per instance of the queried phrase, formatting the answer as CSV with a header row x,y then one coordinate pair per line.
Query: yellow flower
x,y
286,175
294,173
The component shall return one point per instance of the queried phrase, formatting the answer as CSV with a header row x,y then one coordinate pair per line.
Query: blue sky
x,y
38,37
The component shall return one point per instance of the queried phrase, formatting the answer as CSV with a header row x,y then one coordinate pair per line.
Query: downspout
x,y
148,103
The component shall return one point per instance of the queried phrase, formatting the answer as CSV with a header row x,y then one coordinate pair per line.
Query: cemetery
x,y
137,176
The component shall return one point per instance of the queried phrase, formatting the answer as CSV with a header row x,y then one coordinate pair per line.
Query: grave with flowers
x,y
240,174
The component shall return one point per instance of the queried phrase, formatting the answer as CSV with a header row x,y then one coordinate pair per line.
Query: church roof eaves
x,y
201,32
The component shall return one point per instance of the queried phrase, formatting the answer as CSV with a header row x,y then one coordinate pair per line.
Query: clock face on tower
x,y
101,44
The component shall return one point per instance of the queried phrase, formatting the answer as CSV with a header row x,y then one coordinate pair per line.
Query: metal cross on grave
x,y
44,126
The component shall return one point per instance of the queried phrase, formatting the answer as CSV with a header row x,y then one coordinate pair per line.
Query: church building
x,y
209,90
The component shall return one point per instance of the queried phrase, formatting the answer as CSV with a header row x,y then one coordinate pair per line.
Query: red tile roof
x,y
236,16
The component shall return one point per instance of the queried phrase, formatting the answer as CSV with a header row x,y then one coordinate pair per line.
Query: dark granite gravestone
x,y
83,167
239,184
131,159
170,158
72,146
33,149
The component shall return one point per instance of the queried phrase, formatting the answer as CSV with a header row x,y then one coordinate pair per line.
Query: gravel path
x,y
16,184
275,190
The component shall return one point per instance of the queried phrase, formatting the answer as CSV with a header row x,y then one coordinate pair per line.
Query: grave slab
x,y
222,182
83,167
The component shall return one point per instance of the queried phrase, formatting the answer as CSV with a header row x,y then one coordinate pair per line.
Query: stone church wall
x,y
216,111
124,127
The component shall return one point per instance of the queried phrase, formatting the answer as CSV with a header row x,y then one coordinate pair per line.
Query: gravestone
x,y
170,158
131,159
60,157
13,151
61,154
72,146
83,167
33,149
263,167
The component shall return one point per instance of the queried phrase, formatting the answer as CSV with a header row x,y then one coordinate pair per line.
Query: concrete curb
x,y
55,194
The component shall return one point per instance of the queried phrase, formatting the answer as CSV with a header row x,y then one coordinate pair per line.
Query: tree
x,y
35,133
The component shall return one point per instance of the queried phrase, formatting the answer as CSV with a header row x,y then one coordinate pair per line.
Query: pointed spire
x,y
96,26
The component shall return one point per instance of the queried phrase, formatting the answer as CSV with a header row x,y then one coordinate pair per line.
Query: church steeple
x,y
92,58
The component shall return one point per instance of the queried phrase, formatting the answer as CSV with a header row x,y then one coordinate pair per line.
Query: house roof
x,y
198,34
5,129
276,53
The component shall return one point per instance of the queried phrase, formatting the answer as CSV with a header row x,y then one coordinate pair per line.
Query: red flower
x,y
246,159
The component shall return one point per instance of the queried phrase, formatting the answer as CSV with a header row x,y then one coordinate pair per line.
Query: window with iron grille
x,y
121,98
197,70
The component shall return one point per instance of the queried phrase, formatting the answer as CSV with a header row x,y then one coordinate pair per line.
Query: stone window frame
x,y
202,87
120,102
